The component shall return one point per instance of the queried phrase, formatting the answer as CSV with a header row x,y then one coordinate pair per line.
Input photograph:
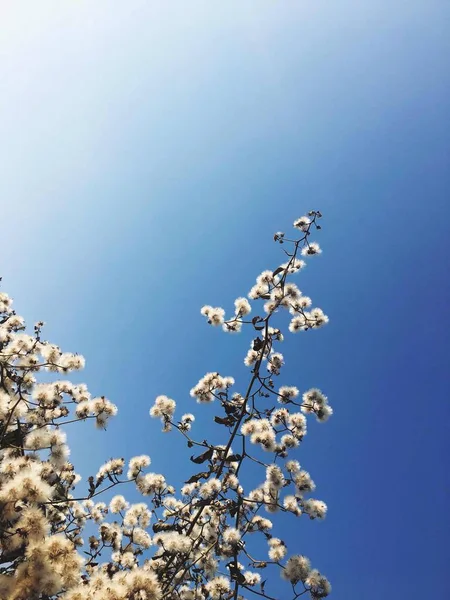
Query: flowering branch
x,y
199,541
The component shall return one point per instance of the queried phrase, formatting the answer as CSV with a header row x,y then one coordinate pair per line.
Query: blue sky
x,y
149,150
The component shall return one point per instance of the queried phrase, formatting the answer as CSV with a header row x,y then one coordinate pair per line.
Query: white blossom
x,y
302,223
251,358
231,536
197,533
277,549
137,464
151,483
215,316
296,569
242,307
118,504
316,509
275,362
163,406
311,248
217,587
210,488
252,578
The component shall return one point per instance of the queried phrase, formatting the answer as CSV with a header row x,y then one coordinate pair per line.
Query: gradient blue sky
x,y
148,152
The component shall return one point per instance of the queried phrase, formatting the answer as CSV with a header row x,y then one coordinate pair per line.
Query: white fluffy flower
x,y
189,489
217,587
289,441
299,305
163,406
27,485
297,569
136,464
311,249
277,549
252,578
173,542
259,523
258,291
279,417
210,488
294,265
299,323
242,307
186,422
215,315
302,223
232,326
275,362
251,357
314,401
112,467
5,302
275,477
317,318
151,483
292,466
210,383
297,425
319,584
117,504
290,504
316,509
303,482
137,514
127,559
314,397
231,536
287,393
261,432
103,409
324,413
59,454
140,537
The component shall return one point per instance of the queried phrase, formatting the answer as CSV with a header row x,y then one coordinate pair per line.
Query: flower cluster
x,y
216,316
164,408
210,386
191,547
